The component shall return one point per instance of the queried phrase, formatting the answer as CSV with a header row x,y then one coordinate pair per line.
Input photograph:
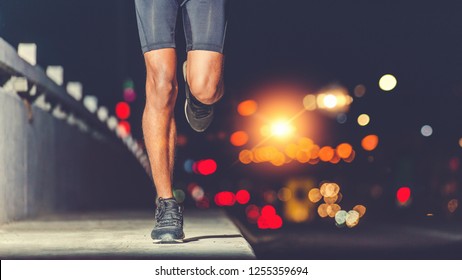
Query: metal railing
x,y
13,65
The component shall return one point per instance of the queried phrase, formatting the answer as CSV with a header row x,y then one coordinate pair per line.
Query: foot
x,y
168,227
198,114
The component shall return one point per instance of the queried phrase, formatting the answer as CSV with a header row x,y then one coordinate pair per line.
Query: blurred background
x,y
340,119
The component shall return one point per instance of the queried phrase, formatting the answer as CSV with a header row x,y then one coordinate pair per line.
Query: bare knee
x,y
161,86
206,88
161,93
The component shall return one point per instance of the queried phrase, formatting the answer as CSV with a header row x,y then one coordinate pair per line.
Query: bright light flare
x,y
330,101
281,129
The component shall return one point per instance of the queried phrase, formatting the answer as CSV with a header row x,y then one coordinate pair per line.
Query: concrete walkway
x,y
126,235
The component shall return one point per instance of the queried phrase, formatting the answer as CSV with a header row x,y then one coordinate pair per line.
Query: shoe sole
x,y
168,239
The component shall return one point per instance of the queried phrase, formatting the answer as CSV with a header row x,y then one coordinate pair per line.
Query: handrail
x,y
11,63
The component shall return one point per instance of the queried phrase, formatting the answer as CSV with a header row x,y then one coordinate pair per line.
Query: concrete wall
x,y
48,166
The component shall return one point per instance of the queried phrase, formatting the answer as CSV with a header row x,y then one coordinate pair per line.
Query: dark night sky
x,y
315,42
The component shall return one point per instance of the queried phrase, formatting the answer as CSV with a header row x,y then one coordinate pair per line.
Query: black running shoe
x,y
168,227
198,115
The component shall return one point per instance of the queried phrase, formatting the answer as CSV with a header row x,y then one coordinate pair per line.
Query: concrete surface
x,y
125,235
48,166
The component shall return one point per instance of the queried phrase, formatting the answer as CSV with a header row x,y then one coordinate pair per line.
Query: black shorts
x,y
204,23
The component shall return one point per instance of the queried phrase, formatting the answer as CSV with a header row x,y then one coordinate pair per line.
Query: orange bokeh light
x,y
239,138
344,150
370,142
247,108
245,156
326,153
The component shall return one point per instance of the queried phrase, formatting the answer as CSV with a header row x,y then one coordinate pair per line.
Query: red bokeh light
x,y
269,219
205,167
403,194
225,199
268,210
242,196
124,127
253,212
122,110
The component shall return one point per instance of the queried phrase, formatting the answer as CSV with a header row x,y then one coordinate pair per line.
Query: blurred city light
x,y
253,213
282,129
179,195
329,189
460,142
268,218
245,156
340,217
332,209
284,194
123,129
426,130
181,140
247,108
403,195
452,205
341,118
370,142
363,119
122,110
188,166
225,198
298,208
309,102
314,195
330,101
326,153
268,210
205,167
454,164
269,196
352,218
333,98
344,150
103,113
322,210
359,90
330,199
387,82
361,209
239,138
242,196
196,191
129,91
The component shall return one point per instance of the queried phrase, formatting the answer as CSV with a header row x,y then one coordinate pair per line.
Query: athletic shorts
x,y
204,23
